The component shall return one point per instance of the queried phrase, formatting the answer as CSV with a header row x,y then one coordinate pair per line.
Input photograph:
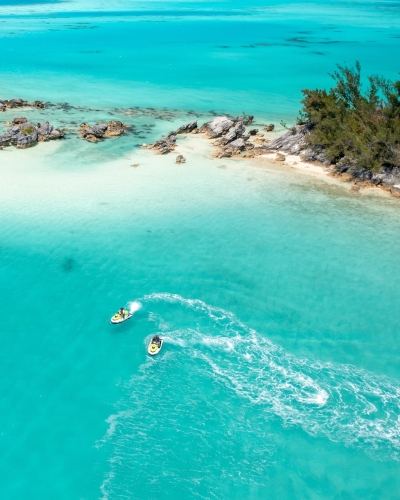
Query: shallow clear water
x,y
276,292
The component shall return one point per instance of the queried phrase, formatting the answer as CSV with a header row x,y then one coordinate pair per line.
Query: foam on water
x,y
167,405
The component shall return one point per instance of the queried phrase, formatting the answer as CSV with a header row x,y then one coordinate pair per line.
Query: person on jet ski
x,y
157,340
121,312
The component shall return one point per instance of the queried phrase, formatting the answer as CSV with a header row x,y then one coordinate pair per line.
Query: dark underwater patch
x,y
68,265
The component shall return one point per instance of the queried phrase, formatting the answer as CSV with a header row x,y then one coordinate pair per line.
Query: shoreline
x,y
323,172
256,146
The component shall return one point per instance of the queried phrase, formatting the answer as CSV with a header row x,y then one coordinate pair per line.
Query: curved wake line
x,y
259,382
341,402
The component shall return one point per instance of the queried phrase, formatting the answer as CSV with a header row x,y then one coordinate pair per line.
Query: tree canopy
x,y
350,121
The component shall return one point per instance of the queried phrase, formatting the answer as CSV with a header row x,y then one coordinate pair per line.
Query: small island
x,y
352,132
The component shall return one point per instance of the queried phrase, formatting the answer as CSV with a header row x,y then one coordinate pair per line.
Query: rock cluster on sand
x,y
164,145
229,135
97,132
19,103
188,128
25,134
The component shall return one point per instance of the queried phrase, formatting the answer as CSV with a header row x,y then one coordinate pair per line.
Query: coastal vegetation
x,y
352,124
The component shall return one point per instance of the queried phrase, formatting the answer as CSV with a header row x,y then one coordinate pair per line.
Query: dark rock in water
x,y
253,131
19,120
216,127
15,103
38,104
180,159
101,130
114,129
26,134
47,132
249,119
2,106
165,145
189,127
269,128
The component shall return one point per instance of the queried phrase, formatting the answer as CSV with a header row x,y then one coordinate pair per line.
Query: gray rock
x,y
165,145
237,145
217,126
47,132
38,104
15,103
234,133
293,141
189,127
253,131
27,136
19,120
98,130
180,159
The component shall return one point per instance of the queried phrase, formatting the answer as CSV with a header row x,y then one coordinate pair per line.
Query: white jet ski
x,y
121,317
155,345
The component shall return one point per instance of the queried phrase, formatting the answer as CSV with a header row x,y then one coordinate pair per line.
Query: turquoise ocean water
x,y
277,293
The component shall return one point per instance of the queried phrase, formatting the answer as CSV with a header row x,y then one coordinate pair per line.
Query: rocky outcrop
x,y
97,132
292,142
19,103
269,128
114,129
39,104
180,159
165,145
231,149
217,127
19,120
188,128
26,135
234,133
47,132
295,142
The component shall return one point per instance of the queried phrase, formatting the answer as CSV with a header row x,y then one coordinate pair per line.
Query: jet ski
x,y
121,317
155,345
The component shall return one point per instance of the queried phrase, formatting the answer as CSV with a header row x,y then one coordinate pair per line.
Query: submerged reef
x,y
19,103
